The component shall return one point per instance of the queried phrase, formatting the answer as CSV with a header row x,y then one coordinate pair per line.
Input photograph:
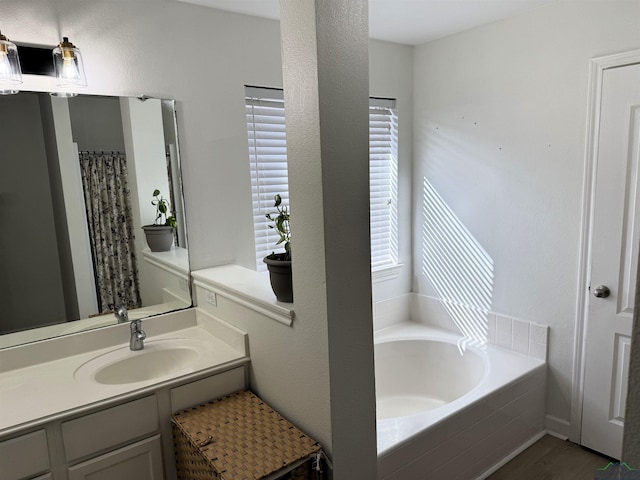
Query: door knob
x,y
601,291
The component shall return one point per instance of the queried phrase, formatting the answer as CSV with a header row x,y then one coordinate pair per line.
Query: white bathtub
x,y
414,376
443,413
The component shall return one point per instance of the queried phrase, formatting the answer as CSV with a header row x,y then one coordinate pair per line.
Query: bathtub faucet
x,y
137,336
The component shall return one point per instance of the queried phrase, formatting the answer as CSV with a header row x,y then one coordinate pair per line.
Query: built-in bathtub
x,y
446,410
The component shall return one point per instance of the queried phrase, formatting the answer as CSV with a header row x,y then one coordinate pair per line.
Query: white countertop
x,y
44,388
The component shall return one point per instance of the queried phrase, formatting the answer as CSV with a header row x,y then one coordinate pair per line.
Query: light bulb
x,y
10,71
70,69
5,67
67,63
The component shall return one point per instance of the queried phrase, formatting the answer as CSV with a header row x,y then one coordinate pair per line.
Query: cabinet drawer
x,y
139,461
24,456
191,394
110,428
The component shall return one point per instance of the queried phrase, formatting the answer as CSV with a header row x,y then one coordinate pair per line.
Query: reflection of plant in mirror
x,y
163,208
280,221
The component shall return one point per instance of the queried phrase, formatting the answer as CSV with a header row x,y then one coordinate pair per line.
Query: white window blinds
x,y
383,182
268,160
268,157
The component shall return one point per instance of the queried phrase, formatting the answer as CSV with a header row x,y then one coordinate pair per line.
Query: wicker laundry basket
x,y
239,437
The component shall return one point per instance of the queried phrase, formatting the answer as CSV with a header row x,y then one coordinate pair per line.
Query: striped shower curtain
x,y
108,206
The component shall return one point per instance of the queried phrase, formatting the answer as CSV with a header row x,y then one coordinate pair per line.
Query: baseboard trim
x,y
512,455
564,438
557,427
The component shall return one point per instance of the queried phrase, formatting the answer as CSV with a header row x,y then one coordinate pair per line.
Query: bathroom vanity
x,y
85,406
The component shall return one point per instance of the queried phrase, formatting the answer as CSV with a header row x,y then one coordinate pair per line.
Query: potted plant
x,y
279,264
160,234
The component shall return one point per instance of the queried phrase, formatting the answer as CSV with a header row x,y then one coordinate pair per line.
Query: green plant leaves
x,y
280,219
162,209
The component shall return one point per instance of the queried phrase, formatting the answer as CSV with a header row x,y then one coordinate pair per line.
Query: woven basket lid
x,y
244,438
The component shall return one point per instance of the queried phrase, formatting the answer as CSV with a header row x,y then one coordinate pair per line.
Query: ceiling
x,y
411,22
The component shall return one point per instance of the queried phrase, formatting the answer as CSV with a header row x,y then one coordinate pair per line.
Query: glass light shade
x,y
67,62
10,71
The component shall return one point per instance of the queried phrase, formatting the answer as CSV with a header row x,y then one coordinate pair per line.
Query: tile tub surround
x,y
522,336
391,311
470,436
38,382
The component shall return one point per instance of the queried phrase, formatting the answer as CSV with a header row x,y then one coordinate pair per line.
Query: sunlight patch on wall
x,y
458,268
393,166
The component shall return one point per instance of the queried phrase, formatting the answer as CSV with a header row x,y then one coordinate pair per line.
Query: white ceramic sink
x,y
158,359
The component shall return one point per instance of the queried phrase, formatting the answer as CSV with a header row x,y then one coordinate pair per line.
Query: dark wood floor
x,y
552,459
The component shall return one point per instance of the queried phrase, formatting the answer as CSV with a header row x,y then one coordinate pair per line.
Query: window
x,y
268,158
383,182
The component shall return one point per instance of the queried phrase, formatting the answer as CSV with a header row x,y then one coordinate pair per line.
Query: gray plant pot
x,y
159,237
280,276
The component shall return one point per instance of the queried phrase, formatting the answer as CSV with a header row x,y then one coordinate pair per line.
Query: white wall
x,y
500,121
142,124
147,171
96,123
390,76
126,47
61,222
326,93
75,209
631,444
29,228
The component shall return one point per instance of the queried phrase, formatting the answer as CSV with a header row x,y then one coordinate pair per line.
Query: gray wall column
x,y
631,443
326,84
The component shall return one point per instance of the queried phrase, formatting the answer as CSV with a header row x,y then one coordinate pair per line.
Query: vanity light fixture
x,y
69,68
10,71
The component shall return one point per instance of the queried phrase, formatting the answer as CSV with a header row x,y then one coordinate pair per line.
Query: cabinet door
x,y
138,461
110,428
24,456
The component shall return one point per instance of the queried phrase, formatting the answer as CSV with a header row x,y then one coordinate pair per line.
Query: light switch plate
x,y
212,299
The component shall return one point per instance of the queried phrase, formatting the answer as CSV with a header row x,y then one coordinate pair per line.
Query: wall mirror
x,y
76,187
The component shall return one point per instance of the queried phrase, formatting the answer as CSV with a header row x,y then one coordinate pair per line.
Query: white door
x,y
614,259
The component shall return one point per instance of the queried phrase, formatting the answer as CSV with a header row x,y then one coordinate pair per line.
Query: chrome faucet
x,y
137,336
121,314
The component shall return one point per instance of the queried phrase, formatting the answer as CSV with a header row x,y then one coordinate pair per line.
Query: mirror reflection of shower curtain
x,y
109,216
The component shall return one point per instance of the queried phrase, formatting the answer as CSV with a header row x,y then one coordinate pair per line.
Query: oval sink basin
x,y
158,359
146,366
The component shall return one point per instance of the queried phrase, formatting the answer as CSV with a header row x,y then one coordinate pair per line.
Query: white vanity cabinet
x,y
25,456
110,428
138,461
123,440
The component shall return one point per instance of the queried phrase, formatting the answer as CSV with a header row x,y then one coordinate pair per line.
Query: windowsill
x,y
175,261
389,272
245,287
253,290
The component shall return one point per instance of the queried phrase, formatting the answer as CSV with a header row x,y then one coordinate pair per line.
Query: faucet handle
x,y
136,329
141,335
